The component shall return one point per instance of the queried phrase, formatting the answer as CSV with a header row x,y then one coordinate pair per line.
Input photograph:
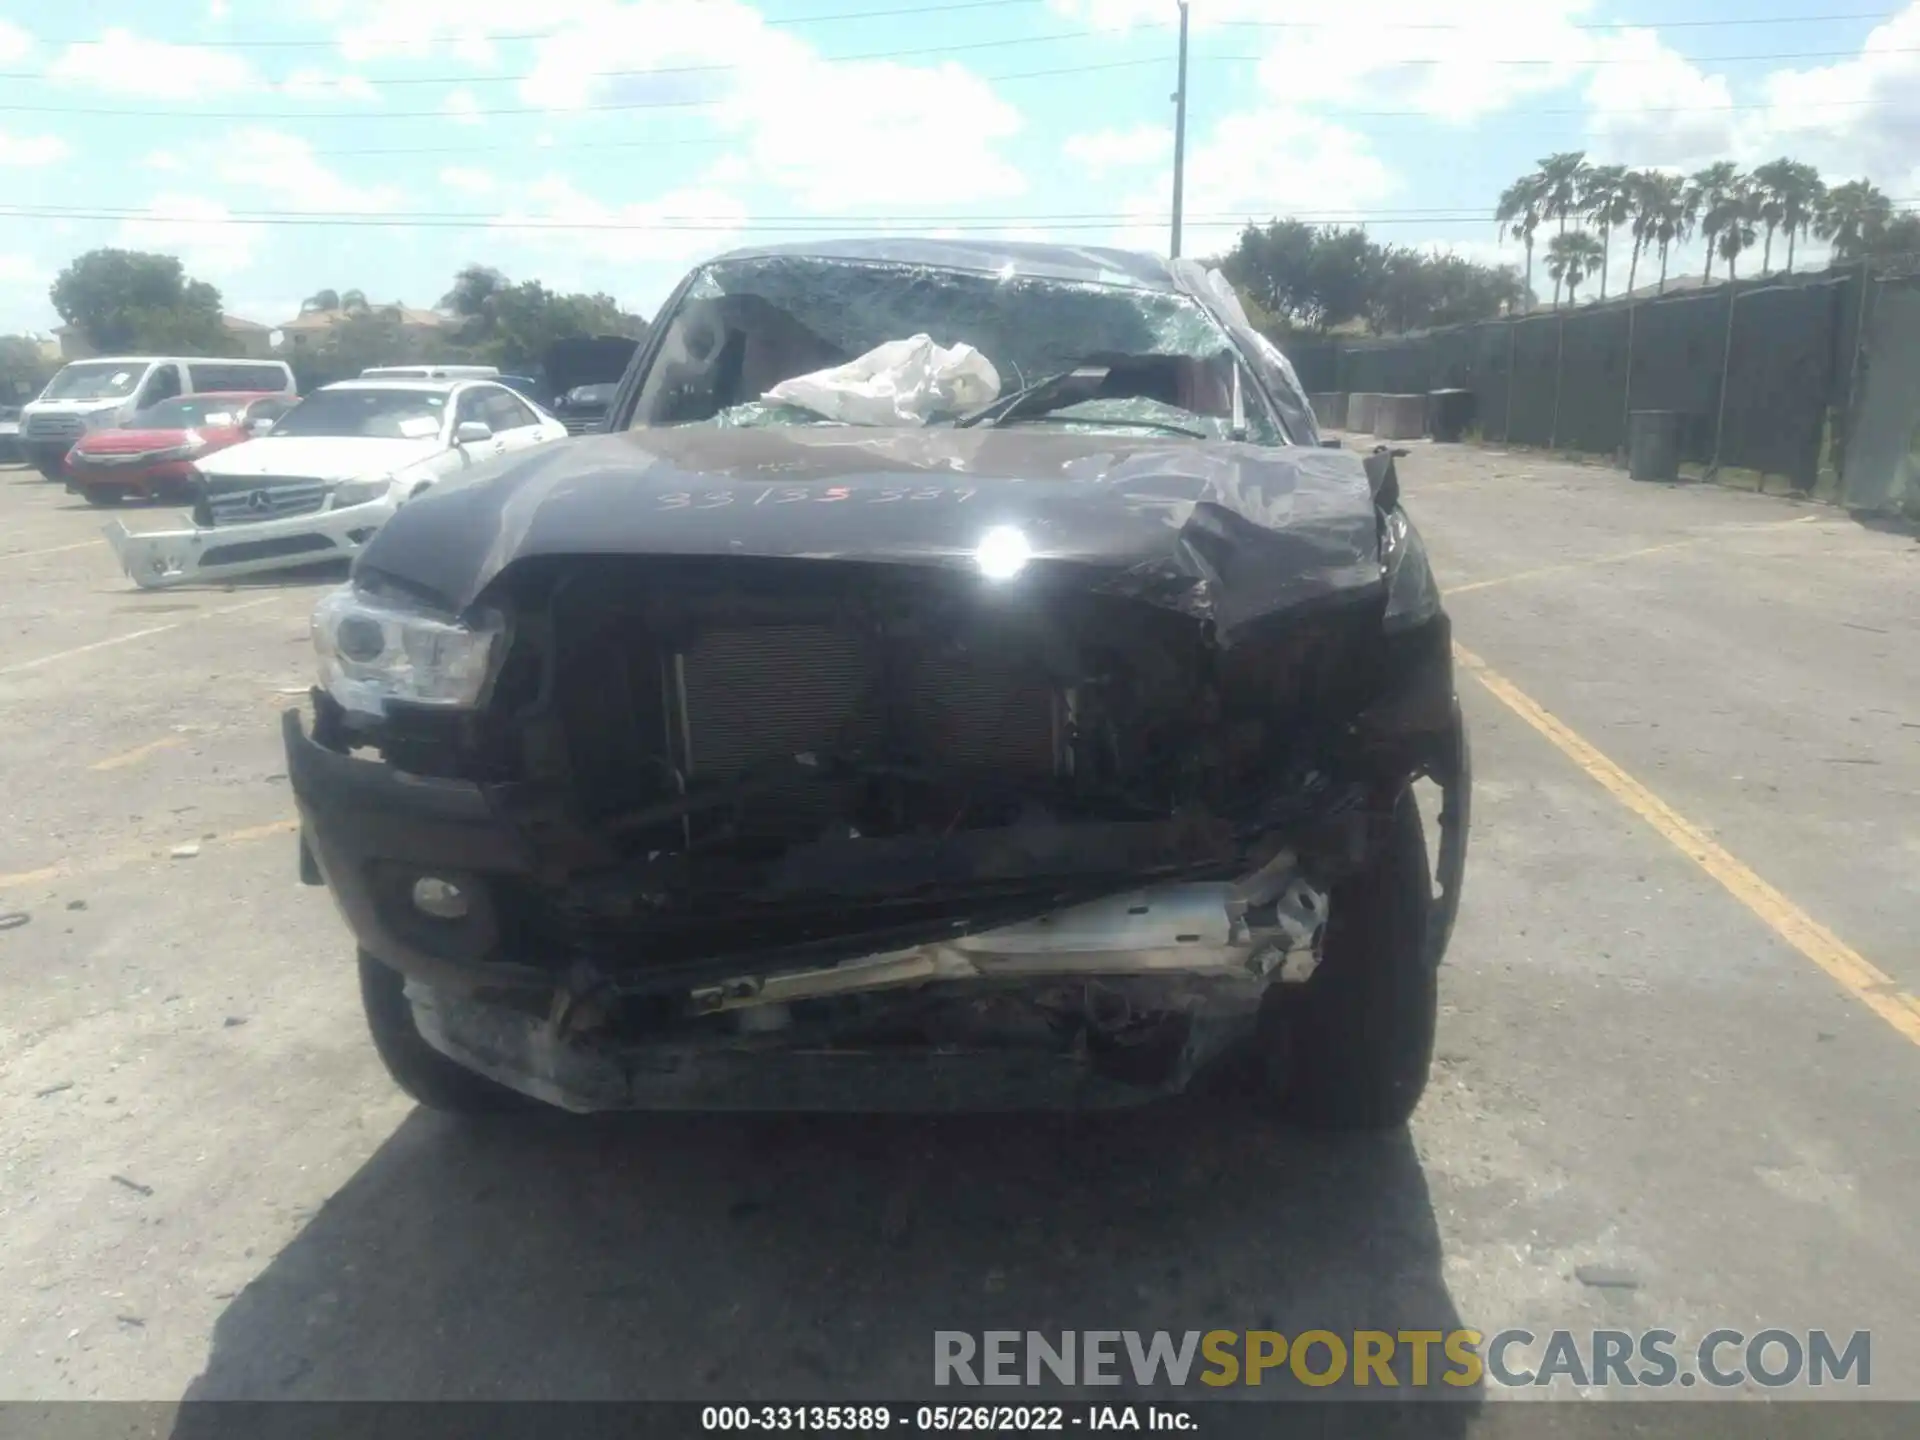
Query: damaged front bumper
x,y
1196,957
1187,950
156,560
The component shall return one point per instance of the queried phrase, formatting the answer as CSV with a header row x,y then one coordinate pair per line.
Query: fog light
x,y
442,899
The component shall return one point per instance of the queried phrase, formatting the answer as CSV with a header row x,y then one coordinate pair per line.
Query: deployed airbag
x,y
903,382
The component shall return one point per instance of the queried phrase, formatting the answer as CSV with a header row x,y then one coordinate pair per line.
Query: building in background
x,y
249,338
314,329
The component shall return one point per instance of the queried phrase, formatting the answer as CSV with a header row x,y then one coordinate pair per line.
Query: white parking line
x,y
50,550
21,666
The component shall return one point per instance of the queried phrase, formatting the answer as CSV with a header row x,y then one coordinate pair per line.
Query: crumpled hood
x,y
318,457
1222,531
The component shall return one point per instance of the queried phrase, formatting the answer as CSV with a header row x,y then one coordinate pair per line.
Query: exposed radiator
x,y
770,691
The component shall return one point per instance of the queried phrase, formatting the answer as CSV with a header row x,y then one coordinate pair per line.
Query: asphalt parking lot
x,y
1677,1082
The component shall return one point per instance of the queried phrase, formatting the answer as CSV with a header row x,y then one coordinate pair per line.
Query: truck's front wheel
x,y
1349,1048
416,1067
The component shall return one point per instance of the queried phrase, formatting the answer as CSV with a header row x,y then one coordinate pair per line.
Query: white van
x,y
100,394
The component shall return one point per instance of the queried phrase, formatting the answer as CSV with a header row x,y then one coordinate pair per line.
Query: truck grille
x,y
732,692
54,427
583,424
250,502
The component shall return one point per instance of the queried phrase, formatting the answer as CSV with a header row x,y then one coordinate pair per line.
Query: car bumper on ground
x,y
154,560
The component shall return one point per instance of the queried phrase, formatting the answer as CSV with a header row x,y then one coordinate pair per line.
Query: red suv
x,y
154,453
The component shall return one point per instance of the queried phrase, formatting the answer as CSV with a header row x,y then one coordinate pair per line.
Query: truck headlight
x,y
1413,595
359,492
373,650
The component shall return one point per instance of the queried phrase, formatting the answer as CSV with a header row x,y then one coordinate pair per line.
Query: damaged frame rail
x,y
160,559
1207,949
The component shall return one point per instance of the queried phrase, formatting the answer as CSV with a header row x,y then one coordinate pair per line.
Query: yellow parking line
x,y
118,860
1619,555
50,550
58,655
1854,973
137,754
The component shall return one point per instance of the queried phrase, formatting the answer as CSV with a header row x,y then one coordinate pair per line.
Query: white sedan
x,y
328,475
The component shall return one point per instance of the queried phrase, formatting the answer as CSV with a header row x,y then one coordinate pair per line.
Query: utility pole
x,y
1180,134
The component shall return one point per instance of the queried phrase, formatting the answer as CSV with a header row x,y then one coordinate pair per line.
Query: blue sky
x,y
603,145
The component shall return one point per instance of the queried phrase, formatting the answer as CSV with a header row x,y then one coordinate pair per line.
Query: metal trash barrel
x,y
1449,413
1653,444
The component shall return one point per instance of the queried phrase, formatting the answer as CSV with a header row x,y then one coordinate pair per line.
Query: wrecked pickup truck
x,y
961,678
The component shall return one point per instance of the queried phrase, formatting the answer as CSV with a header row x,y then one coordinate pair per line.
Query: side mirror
x,y
472,432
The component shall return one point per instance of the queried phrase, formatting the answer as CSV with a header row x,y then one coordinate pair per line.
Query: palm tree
x,y
1802,193
1853,216
1520,213
1709,190
1571,258
1663,214
1641,191
354,301
1562,178
1769,190
322,300
1735,222
1607,199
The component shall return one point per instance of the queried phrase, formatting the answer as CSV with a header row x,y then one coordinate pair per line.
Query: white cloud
x,y
1860,116
1119,15
878,134
1502,52
123,63
680,226
278,171
1653,106
211,244
166,162
32,150
834,135
14,42
467,181
310,84
1099,151
16,269
462,107
728,171
216,9
376,29
1254,165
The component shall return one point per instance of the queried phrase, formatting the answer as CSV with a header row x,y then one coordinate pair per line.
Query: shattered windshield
x,y
775,324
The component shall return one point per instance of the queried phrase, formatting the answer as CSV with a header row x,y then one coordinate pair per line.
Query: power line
x,y
513,36
469,79
1719,23
1006,42
518,36
438,114
814,225
1342,113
